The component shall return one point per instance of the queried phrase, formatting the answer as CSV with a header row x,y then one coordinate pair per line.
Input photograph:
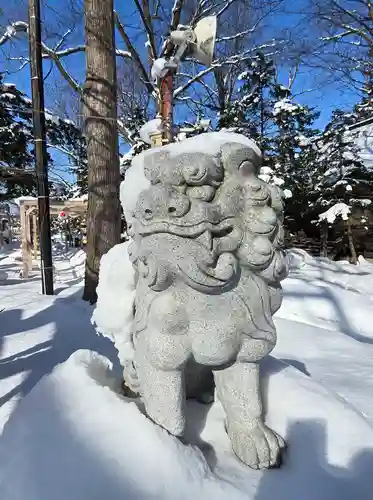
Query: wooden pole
x,y
324,239
354,259
35,234
167,107
24,244
28,238
41,158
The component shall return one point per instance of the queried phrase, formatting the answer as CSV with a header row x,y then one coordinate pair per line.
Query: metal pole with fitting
x,y
41,157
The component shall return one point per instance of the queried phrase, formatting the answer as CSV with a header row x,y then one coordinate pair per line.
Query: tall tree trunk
x,y
351,242
100,112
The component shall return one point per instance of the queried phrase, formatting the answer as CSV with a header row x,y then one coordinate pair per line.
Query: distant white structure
x,y
10,207
8,212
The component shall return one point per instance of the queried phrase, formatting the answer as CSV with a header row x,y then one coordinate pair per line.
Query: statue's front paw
x,y
131,384
256,445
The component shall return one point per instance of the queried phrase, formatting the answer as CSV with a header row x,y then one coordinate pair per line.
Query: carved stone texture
x,y
207,240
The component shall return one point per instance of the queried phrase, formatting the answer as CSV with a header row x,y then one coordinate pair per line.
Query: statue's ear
x,y
234,154
152,165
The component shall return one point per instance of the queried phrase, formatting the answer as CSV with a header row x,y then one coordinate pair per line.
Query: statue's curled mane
x,y
206,219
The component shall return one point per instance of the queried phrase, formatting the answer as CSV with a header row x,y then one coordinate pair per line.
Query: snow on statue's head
x,y
198,210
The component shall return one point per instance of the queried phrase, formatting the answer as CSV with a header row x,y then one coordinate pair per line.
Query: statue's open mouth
x,y
219,229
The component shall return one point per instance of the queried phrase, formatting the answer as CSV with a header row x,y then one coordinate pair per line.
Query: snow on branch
x,y
176,13
230,60
338,210
349,31
236,35
224,8
54,54
65,151
336,37
12,30
200,11
195,78
55,58
134,54
63,39
125,132
146,19
22,27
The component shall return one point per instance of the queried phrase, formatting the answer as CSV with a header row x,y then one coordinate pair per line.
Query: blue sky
x,y
325,99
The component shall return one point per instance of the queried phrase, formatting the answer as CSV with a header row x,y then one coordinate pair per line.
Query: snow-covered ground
x,y
68,433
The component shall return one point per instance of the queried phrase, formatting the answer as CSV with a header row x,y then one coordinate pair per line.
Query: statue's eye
x,y
148,213
246,169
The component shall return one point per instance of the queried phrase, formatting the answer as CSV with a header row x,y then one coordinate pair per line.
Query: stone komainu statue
x,y
206,247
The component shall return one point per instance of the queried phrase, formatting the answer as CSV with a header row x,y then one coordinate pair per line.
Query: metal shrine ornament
x,y
206,248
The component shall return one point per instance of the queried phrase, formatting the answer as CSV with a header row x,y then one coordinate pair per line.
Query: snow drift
x,y
75,437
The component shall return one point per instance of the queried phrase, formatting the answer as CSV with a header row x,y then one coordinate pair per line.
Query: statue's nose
x,y
171,209
178,206
148,212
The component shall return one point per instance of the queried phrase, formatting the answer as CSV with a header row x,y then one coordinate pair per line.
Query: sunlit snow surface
x,y
68,434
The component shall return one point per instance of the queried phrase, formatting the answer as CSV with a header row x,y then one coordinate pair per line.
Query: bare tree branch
x,y
53,54
175,21
237,35
224,8
176,13
65,151
134,54
195,78
73,83
147,22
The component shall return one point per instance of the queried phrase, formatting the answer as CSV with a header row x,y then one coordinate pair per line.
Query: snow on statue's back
x,y
206,239
116,293
134,183
116,289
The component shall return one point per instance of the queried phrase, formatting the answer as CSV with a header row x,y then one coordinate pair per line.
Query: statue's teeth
x,y
205,239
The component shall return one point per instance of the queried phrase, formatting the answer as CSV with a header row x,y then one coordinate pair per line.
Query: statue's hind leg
x,y
238,390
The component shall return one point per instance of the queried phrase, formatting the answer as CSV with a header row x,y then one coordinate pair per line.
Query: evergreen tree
x,y
15,155
17,148
250,112
290,153
364,109
342,175
65,136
